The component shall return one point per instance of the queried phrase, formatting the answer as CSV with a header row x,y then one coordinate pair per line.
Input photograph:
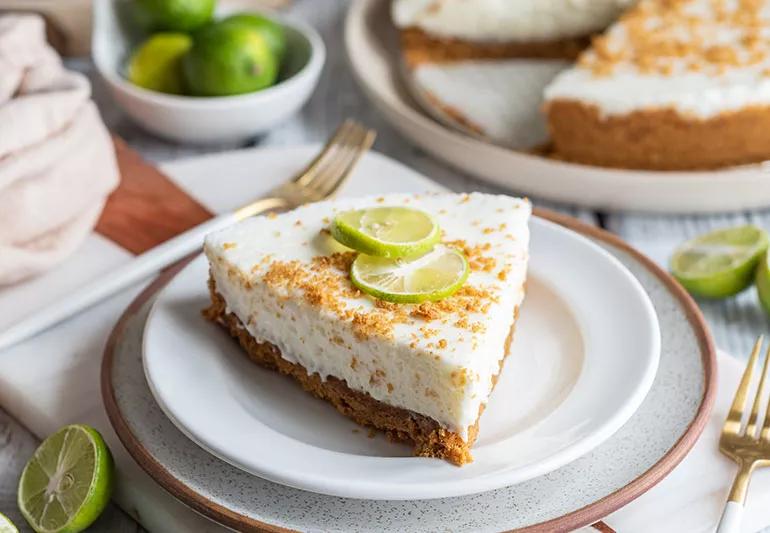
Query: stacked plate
x,y
608,386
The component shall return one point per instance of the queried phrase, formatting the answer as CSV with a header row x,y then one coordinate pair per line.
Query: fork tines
x,y
755,428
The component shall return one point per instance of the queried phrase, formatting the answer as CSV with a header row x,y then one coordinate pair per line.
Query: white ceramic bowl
x,y
212,119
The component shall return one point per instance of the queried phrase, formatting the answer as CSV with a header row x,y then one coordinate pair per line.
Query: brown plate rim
x,y
573,520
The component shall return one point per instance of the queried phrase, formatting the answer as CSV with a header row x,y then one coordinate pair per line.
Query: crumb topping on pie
x,y
324,283
663,37
699,58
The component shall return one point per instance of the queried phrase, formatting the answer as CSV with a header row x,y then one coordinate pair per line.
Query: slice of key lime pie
x,y
399,310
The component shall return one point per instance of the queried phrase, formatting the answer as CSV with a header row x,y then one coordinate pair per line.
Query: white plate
x,y
585,355
373,49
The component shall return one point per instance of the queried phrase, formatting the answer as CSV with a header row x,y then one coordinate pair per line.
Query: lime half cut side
x,y
6,526
387,231
721,263
429,277
67,483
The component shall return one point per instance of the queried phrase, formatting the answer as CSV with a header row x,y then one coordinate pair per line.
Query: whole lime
x,y
228,59
157,63
173,15
269,29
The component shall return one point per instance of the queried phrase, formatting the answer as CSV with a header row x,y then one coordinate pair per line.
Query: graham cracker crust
x,y
657,139
419,47
400,425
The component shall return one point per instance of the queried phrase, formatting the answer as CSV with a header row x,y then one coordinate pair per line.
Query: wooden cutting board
x,y
147,208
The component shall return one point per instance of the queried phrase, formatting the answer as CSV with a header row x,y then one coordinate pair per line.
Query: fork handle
x,y
115,280
731,518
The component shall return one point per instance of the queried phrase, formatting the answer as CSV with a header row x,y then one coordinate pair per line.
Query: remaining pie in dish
x,y
482,65
421,372
674,84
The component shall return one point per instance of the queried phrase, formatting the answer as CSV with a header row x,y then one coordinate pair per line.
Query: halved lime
x,y
720,263
387,231
6,526
428,277
763,282
67,483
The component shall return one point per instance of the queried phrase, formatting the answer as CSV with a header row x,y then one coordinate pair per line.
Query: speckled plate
x,y
639,455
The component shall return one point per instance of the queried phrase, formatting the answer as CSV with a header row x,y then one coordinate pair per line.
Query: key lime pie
x,y
673,85
482,65
398,310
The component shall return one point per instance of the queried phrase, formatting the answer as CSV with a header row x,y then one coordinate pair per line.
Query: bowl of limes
x,y
195,72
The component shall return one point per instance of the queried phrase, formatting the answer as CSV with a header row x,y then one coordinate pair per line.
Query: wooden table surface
x,y
734,323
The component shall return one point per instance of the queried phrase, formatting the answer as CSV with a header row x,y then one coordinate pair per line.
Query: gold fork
x,y
748,446
321,179
323,176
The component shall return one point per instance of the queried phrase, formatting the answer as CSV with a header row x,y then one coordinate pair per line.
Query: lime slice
x,y
763,282
720,263
387,231
429,277
67,483
6,526
157,64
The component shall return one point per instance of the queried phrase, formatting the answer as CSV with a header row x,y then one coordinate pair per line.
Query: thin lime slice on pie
x,y
720,263
432,276
408,345
387,231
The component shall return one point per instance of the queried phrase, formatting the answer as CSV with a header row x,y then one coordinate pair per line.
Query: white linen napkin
x,y
57,163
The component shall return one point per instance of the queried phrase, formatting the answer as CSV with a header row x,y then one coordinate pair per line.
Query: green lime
x,y
157,63
387,231
228,59
6,526
720,263
67,483
269,29
763,282
429,277
173,15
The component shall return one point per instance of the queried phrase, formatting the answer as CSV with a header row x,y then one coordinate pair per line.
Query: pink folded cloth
x,y
57,160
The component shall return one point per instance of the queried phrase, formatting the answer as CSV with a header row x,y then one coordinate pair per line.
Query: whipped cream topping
x,y
508,20
700,58
278,276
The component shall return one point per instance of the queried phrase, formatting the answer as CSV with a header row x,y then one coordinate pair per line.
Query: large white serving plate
x,y
584,357
372,46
